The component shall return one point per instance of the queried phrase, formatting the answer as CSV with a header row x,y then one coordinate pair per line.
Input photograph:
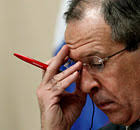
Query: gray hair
x,y
123,16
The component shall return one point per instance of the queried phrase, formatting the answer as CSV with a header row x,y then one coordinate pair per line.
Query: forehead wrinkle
x,y
88,35
77,32
76,45
91,40
90,30
86,50
74,41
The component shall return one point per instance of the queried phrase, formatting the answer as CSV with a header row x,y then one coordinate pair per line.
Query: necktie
x,y
135,126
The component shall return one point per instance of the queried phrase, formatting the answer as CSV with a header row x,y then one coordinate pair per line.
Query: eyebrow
x,y
95,53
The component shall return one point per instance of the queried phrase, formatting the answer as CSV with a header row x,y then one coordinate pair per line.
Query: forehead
x,y
92,21
89,35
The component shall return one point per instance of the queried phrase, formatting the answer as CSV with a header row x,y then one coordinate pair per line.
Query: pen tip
x,y
15,54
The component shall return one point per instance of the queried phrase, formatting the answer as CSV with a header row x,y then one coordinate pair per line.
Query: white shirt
x,y
126,127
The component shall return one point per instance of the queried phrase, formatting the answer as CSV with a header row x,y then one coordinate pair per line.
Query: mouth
x,y
106,106
105,103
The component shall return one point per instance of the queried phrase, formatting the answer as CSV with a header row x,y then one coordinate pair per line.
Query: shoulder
x,y
111,126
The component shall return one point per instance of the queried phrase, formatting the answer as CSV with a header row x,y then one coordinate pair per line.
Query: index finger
x,y
57,62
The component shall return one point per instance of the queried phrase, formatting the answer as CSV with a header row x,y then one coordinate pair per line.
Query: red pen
x,y
32,61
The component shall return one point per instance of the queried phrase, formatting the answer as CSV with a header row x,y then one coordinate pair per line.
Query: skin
x,y
115,90
60,109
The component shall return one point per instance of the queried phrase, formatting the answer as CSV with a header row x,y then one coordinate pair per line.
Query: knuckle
x,y
63,72
53,80
59,84
56,99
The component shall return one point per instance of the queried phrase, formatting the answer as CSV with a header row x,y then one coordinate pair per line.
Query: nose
x,y
89,82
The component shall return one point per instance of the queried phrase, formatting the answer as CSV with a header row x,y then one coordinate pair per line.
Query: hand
x,y
59,109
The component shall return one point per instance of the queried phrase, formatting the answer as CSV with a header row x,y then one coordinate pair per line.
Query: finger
x,y
55,65
59,59
67,72
60,87
48,63
57,78
67,81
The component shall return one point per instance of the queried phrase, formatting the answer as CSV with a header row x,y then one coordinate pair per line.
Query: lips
x,y
107,106
104,104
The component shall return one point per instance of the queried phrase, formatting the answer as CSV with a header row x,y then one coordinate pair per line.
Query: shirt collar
x,y
128,126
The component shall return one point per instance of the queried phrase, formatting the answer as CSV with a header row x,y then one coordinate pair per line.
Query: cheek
x,y
118,82
122,81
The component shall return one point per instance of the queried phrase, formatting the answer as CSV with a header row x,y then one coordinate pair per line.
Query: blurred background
x,y
35,29
27,27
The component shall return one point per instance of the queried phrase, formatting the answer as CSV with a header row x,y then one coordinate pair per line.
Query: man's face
x,y
116,89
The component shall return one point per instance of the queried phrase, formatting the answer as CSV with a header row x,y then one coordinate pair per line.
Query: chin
x,y
121,118
118,120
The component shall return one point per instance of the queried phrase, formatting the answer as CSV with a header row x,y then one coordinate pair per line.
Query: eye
x,y
96,62
95,65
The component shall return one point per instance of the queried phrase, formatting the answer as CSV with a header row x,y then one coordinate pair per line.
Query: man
x,y
103,38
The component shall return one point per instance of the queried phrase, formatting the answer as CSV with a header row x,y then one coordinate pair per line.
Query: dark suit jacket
x,y
134,126
113,127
